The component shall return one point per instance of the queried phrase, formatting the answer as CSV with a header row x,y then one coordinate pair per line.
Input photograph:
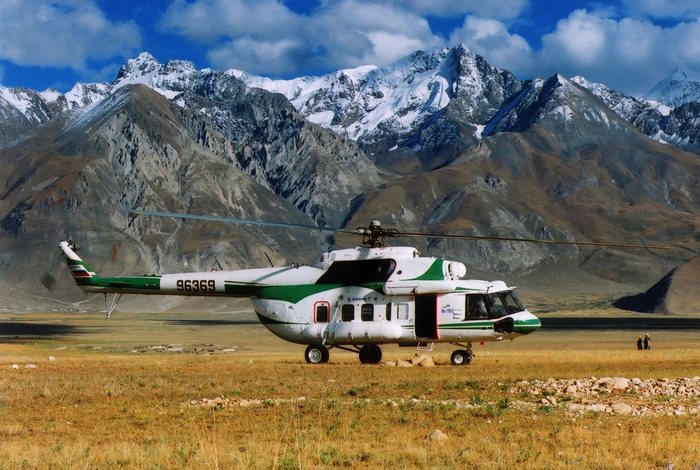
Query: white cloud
x,y
62,33
266,37
628,54
582,38
503,9
490,38
208,21
678,9
360,33
253,55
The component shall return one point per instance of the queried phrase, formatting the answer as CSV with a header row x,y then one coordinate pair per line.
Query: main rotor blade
x,y
233,220
533,240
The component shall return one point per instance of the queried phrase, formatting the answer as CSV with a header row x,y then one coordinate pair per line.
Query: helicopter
x,y
353,299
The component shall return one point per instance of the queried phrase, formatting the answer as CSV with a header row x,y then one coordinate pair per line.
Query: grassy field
x,y
128,393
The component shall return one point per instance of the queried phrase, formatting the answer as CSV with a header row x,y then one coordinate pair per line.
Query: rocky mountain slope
x,y
678,126
440,142
78,175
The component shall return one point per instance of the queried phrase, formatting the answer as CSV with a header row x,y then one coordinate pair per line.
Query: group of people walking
x,y
644,343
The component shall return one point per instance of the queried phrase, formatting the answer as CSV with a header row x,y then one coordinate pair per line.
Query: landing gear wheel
x,y
370,354
316,354
461,357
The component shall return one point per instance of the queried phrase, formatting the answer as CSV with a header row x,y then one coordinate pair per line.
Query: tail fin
x,y
79,269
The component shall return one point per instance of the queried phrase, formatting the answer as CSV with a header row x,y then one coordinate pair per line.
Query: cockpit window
x,y
358,272
511,302
496,305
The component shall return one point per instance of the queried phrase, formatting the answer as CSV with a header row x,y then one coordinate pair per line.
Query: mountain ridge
x,y
535,159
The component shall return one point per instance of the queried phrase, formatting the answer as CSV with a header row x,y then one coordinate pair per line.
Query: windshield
x,y
495,305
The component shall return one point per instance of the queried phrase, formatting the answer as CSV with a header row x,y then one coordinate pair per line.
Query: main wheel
x,y
461,357
370,354
316,354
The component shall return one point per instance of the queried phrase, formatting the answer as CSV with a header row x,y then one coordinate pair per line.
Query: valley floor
x,y
219,391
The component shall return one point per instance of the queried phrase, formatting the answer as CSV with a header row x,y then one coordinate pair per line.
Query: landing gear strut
x,y
316,354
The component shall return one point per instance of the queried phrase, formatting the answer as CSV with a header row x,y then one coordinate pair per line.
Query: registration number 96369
x,y
196,285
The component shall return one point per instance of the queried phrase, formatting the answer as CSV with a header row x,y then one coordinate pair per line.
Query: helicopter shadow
x,y
11,332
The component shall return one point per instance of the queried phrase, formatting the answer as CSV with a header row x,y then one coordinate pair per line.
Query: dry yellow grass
x,y
111,408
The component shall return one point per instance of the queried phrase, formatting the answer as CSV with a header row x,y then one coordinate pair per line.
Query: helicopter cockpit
x,y
490,306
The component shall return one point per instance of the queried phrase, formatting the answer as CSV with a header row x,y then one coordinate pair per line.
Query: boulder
x,y
417,359
620,384
426,362
622,408
437,435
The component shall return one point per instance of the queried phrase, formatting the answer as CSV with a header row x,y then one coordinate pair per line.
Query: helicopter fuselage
x,y
349,297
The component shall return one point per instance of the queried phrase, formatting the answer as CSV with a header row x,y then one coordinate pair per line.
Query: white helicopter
x,y
353,299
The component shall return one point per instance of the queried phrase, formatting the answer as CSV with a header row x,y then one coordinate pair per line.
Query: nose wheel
x,y
461,357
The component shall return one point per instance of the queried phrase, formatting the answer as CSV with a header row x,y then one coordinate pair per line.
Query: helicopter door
x,y
426,324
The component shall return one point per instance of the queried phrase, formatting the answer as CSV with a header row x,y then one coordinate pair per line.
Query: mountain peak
x,y
676,89
143,65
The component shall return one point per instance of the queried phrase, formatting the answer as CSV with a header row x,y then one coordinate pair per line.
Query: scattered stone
x,y
51,358
596,408
14,366
402,363
418,358
426,362
622,408
437,435
390,363
620,383
30,366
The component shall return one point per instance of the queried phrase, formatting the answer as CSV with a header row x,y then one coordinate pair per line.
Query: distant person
x,y
647,343
639,343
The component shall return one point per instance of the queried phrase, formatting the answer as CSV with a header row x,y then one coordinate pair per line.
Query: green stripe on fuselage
x,y
139,282
434,272
525,327
297,293
469,325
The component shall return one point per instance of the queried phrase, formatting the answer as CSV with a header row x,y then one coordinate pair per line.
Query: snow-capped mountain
x,y
675,90
388,105
429,101
679,126
458,146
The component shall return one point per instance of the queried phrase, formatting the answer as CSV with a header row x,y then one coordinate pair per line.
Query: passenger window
x,y
402,312
387,315
347,312
322,313
367,312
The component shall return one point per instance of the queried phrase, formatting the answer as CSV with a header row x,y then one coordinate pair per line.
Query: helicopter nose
x,y
527,324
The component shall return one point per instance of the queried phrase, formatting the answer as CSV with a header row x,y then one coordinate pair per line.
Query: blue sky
x,y
627,44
